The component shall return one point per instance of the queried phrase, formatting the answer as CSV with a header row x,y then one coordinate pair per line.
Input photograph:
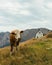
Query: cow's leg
x,y
17,46
11,50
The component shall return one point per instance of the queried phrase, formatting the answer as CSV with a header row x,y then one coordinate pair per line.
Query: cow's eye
x,y
13,33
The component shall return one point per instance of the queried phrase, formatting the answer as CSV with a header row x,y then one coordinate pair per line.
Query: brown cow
x,y
15,37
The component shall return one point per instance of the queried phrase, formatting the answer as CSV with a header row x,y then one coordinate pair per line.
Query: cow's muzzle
x,y
19,39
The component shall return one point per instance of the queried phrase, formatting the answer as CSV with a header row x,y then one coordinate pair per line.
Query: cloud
x,y
15,7
49,5
24,14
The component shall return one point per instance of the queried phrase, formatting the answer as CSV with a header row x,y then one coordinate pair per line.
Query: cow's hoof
x,y
11,53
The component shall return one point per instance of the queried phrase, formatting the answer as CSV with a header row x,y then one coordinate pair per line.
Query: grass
x,y
32,52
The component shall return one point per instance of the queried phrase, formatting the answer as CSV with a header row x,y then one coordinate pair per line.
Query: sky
x,y
25,14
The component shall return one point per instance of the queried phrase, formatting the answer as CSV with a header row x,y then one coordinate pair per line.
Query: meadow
x,y
31,52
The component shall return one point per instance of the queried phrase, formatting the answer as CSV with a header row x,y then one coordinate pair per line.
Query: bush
x,y
49,35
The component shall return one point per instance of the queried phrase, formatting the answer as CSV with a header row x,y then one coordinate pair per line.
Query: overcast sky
x,y
25,14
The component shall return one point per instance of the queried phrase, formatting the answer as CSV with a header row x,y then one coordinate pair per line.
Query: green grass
x,y
36,53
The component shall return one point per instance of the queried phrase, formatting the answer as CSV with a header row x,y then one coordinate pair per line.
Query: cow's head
x,y
17,34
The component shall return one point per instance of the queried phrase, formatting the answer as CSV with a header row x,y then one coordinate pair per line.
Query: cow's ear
x,y
21,31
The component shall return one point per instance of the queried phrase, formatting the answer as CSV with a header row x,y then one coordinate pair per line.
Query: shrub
x,y
49,35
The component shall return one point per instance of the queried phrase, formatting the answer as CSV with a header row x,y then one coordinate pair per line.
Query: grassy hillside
x,y
32,52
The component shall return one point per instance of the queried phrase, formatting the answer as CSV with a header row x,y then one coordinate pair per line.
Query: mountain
x,y
30,33
4,39
31,52
26,35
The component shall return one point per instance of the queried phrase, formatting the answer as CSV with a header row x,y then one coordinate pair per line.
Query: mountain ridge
x,y
28,34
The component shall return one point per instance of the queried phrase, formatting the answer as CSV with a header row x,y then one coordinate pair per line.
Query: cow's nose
x,y
19,39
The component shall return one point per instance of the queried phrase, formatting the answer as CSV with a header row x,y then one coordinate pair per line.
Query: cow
x,y
15,37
